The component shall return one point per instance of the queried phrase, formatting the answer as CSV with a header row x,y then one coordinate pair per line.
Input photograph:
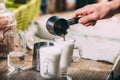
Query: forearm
x,y
115,6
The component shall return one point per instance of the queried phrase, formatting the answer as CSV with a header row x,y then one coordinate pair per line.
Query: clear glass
x,y
68,47
16,51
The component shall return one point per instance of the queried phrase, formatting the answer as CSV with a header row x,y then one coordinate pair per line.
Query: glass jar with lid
x,y
7,23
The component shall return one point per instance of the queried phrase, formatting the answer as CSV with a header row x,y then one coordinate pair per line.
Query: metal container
x,y
58,26
36,54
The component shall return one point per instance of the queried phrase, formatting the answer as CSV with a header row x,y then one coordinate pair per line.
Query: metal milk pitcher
x,y
36,54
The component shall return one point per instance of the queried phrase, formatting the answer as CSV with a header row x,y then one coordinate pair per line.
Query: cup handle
x,y
80,51
77,58
47,61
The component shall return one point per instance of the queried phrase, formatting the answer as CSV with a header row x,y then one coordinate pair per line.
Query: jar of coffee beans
x,y
7,23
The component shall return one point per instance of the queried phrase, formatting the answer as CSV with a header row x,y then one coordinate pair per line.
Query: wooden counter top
x,y
82,70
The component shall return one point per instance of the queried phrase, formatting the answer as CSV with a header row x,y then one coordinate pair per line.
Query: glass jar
x,y
7,23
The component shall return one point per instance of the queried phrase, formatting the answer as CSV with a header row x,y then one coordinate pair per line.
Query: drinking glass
x,y
16,51
67,54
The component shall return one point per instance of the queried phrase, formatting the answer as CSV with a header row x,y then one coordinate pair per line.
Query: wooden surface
x,y
81,70
90,70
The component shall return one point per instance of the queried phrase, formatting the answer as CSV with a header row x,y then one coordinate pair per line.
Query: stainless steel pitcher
x,y
36,54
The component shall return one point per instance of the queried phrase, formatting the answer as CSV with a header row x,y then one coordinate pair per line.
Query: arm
x,y
115,6
91,13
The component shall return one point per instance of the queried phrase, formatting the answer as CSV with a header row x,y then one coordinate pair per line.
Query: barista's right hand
x,y
91,13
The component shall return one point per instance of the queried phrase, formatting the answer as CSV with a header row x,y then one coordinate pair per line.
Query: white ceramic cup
x,y
49,61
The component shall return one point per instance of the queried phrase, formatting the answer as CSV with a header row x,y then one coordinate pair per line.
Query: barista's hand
x,y
91,13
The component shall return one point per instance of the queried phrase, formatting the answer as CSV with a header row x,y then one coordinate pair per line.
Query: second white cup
x,y
49,61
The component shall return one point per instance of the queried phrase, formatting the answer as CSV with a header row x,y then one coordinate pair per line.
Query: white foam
x,y
64,43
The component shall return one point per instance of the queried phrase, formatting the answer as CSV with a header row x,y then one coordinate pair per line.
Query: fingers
x,y
80,12
90,23
88,16
89,20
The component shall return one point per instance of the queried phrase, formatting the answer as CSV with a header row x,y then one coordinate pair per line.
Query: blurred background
x,y
52,6
28,10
